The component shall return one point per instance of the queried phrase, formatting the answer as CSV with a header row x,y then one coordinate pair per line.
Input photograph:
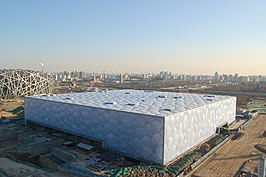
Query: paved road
x,y
220,92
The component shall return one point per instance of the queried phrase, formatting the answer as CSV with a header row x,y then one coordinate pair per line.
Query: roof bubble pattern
x,y
137,101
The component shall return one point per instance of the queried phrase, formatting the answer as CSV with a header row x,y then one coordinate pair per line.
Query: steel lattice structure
x,y
18,82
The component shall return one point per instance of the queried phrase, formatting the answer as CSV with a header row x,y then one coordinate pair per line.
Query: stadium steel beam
x,y
18,82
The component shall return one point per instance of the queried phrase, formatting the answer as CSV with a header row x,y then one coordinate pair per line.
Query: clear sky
x,y
188,36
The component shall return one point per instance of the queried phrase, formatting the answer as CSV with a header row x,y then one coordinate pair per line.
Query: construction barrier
x,y
124,170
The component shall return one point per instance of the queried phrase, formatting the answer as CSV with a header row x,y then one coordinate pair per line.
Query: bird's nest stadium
x,y
19,82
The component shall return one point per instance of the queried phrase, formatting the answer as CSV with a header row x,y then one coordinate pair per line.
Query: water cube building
x,y
150,125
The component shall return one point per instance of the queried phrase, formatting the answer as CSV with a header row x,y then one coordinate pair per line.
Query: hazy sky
x,y
188,36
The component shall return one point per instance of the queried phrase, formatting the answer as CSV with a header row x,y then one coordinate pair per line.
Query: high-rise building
x,y
121,78
216,76
236,78
94,77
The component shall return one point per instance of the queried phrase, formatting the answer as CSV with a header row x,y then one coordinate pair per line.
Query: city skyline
x,y
163,75
135,37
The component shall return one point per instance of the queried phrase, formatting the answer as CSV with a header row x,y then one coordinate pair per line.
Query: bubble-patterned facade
x,y
18,82
155,126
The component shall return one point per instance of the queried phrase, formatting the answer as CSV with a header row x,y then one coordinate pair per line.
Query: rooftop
x,y
137,101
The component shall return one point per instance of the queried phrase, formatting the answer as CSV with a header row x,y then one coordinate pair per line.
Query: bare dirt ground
x,y
235,154
15,169
8,105
11,105
6,114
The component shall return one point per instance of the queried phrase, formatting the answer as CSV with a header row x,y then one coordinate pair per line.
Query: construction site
x,y
37,150
239,155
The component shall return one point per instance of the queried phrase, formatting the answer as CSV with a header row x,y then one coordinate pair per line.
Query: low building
x,y
154,126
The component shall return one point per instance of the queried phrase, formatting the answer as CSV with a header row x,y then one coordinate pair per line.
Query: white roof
x,y
137,101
